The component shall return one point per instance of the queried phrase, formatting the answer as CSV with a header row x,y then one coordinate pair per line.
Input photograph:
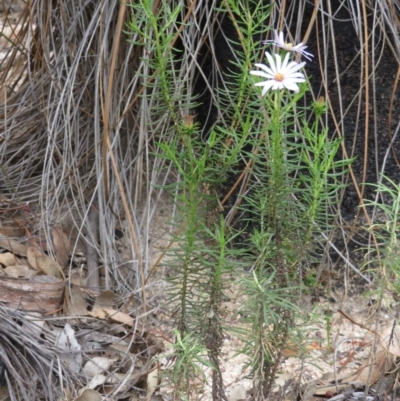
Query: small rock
x,y
237,393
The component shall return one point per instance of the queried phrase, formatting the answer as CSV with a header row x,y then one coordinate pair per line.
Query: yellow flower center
x,y
289,45
279,77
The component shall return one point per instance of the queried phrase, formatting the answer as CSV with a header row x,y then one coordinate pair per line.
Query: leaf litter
x,y
60,337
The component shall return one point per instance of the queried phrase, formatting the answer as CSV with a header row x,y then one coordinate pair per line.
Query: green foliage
x,y
287,174
190,361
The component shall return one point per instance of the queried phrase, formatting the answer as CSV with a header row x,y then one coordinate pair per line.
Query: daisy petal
x,y
279,38
262,74
278,85
278,60
298,76
265,68
307,55
293,66
271,63
263,83
286,62
291,86
267,86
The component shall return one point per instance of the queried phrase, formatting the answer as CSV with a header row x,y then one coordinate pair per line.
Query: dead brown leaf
x,y
12,245
116,316
62,246
77,277
89,395
48,265
8,259
12,231
153,381
19,271
76,303
33,252
381,364
105,300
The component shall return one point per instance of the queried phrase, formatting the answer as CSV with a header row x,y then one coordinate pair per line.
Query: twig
x,y
93,280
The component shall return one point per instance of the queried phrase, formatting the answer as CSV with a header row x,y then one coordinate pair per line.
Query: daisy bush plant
x,y
252,190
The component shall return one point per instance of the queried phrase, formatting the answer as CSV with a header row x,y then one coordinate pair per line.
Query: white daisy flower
x,y
280,42
279,75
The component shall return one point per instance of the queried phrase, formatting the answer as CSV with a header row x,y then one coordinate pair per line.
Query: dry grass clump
x,y
34,368
51,358
75,107
79,111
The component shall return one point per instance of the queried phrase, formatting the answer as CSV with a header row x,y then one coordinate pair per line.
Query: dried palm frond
x,y
34,369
